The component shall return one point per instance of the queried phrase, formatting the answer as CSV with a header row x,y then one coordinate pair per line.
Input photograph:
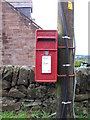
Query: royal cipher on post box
x,y
46,56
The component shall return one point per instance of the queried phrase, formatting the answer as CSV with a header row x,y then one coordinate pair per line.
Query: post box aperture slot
x,y
46,43
46,39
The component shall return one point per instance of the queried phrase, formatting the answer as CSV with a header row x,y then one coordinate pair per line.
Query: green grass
x,y
78,63
42,114
81,114
34,114
13,115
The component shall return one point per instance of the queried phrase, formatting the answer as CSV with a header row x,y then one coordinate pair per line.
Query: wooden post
x,y
64,87
0,57
88,31
0,32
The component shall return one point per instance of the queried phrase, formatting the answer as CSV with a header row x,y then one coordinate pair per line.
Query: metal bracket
x,y
63,47
66,37
66,65
65,103
64,75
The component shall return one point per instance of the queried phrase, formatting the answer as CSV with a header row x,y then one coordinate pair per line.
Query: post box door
x,y
46,56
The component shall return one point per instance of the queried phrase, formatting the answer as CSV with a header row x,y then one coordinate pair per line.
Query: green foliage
x,y
36,114
12,115
39,114
80,114
42,114
78,63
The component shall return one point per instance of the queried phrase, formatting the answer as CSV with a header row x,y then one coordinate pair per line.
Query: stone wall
x,y
82,97
21,92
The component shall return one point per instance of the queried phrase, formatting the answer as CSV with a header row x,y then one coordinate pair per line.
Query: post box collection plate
x,y
46,64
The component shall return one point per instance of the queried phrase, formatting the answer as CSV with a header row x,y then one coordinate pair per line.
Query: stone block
x,y
31,75
23,76
6,84
22,89
15,75
82,97
4,93
15,93
8,73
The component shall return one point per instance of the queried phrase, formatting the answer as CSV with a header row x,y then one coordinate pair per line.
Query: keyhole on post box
x,y
46,52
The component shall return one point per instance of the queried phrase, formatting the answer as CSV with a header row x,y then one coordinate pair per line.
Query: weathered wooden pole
x,y
65,60
88,31
0,32
0,57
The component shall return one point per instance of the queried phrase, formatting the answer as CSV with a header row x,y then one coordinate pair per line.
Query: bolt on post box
x,y
46,56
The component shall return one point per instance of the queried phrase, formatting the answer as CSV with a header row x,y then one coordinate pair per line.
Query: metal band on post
x,y
65,103
66,65
66,37
64,47
64,75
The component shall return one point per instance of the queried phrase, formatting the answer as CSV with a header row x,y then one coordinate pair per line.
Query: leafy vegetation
x,y
78,63
81,113
39,114
42,114
12,115
34,114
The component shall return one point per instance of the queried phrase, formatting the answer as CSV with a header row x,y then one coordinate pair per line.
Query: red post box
x,y
46,56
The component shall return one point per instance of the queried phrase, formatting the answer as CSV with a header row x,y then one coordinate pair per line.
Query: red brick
x,y
18,37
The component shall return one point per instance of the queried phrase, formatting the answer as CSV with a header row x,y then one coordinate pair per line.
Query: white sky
x,y
45,14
